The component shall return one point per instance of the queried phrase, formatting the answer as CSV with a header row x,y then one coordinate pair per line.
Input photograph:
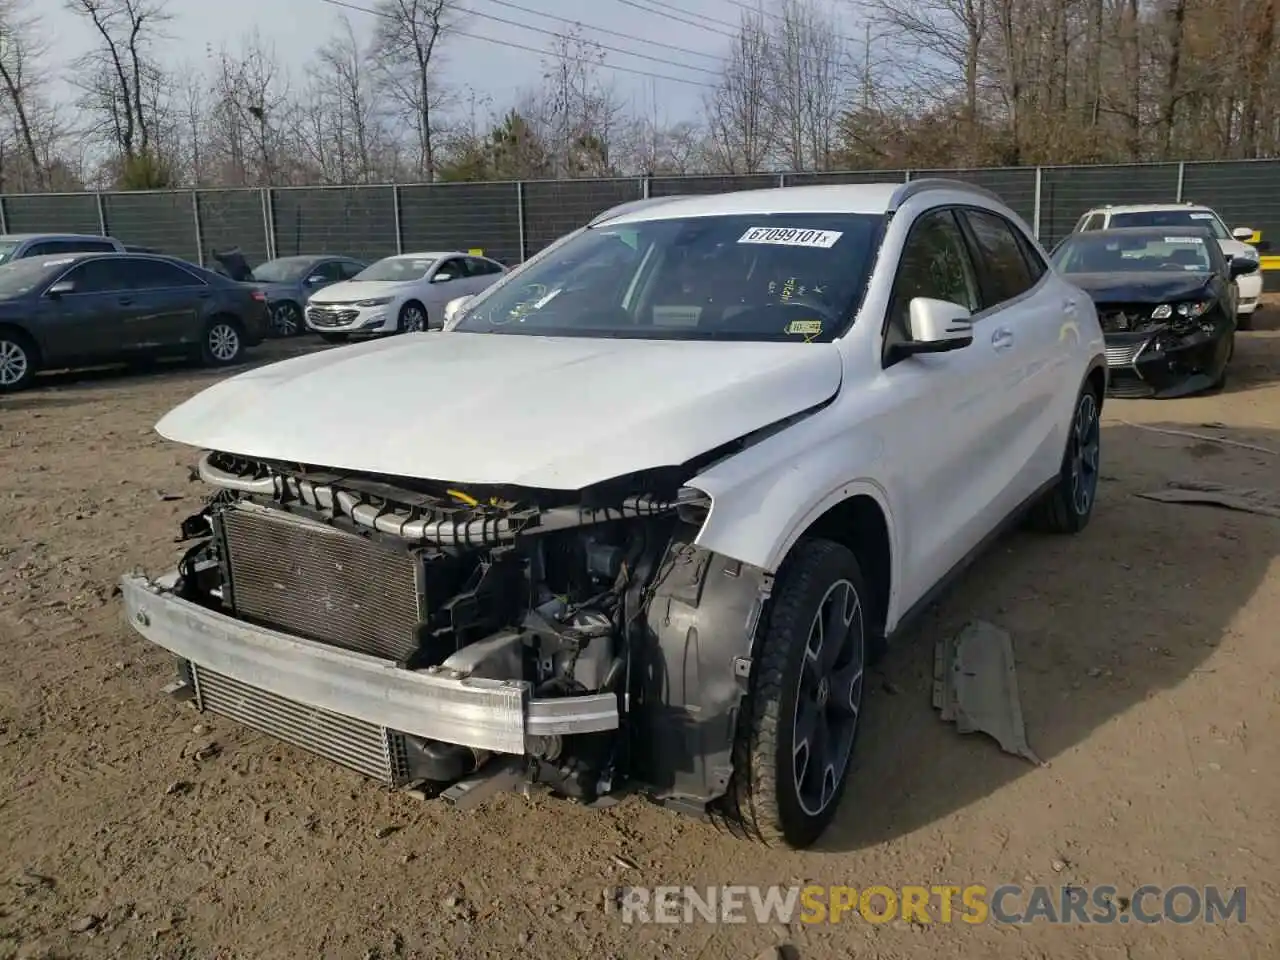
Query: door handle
x,y
1002,338
1069,303
125,301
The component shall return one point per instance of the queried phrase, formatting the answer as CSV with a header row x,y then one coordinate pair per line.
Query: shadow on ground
x,y
1100,622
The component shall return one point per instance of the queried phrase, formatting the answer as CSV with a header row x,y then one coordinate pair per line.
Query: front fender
x,y
764,498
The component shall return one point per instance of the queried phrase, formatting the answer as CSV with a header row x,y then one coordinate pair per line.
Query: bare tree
x,y
406,47
23,53
121,79
579,113
949,33
252,112
739,112
810,69
342,112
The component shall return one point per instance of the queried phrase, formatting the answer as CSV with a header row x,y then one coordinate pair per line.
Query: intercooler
x,y
315,581
371,750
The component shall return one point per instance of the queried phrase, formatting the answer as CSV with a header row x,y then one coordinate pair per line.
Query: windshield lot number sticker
x,y
792,237
805,328
1183,240
1202,216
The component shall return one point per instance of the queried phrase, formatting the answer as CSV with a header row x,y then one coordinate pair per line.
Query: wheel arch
x,y
860,523
26,335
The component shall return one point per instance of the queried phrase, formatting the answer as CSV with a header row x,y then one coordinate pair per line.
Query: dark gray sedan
x,y
88,309
289,282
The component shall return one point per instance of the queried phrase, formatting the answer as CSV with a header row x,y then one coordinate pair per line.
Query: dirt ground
x,y
1147,659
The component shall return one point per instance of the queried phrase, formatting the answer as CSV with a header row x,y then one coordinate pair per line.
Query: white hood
x,y
349,291
470,408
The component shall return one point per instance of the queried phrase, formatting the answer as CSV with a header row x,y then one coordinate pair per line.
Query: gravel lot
x,y
1147,656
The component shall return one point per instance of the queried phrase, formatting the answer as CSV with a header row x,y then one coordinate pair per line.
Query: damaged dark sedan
x,y
1166,299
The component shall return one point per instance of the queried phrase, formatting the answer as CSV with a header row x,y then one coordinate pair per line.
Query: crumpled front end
x,y
458,638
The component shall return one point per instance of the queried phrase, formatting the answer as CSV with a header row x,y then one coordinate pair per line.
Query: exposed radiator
x,y
373,751
321,583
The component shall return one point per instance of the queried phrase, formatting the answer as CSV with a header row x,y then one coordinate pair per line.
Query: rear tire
x,y
1068,506
19,360
802,714
223,342
286,319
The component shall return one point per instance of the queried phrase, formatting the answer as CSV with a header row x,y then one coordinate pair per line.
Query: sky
x,y
702,29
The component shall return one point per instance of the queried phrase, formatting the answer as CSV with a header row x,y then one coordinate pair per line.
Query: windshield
x,y
7,249
1173,218
21,276
1099,253
283,270
396,269
778,277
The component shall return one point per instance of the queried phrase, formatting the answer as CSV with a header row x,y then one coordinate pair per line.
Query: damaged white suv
x,y
639,520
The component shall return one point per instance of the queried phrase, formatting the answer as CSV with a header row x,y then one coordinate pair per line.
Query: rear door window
x,y
154,274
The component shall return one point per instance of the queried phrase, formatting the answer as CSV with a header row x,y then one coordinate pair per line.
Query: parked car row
x,y
70,300
1125,266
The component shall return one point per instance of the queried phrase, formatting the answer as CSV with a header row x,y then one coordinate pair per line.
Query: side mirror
x,y
937,326
60,290
1243,234
1242,266
453,310
444,277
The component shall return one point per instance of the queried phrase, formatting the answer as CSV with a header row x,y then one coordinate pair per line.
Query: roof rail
x,y
913,187
630,207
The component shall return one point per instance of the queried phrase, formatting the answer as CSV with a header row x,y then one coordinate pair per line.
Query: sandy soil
x,y
1147,659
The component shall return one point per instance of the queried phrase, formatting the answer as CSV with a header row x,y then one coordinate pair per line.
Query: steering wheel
x,y
810,305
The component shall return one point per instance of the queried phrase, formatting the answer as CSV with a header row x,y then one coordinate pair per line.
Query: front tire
x,y
223,343
801,718
412,319
1067,507
19,360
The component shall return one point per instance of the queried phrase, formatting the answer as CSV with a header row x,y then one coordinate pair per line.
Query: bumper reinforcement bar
x,y
494,715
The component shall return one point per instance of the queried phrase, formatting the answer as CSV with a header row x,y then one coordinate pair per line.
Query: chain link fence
x,y
513,220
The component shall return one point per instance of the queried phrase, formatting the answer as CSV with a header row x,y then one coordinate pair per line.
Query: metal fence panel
x,y
52,213
553,208
845,176
1245,194
1016,186
349,221
233,218
675,186
1067,192
462,216
162,221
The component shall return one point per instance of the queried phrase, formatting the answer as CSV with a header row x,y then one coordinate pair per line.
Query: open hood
x,y
472,408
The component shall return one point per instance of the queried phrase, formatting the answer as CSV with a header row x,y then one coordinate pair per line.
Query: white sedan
x,y
401,294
